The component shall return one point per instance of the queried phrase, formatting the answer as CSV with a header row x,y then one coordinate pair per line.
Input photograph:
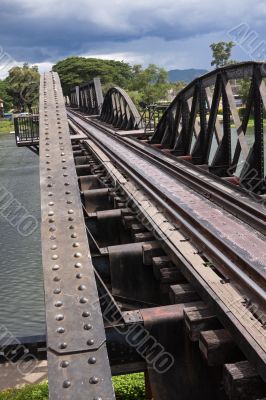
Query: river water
x,y
21,283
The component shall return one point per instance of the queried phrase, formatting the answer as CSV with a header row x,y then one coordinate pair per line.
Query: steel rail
x,y
238,201
211,246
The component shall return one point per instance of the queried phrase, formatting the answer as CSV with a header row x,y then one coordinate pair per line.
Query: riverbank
x,y
6,126
127,387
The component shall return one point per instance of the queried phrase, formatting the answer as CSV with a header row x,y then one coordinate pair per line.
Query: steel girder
x,y
119,110
192,129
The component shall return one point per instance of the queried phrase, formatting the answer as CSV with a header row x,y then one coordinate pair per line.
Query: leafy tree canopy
x,y
221,53
5,96
77,70
22,86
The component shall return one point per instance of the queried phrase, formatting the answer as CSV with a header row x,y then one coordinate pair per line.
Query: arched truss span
x,y
204,124
119,110
88,97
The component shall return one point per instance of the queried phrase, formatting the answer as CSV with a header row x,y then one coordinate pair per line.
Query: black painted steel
x,y
191,126
119,110
87,97
27,130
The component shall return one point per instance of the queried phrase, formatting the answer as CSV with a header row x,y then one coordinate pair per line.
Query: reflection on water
x,y
21,283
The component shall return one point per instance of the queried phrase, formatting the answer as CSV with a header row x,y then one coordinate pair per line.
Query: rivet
x,y
59,317
64,364
62,154
71,227
58,304
66,384
66,183
55,267
83,300
76,244
51,203
79,276
69,201
82,287
51,220
94,380
52,237
57,291
56,279
55,257
53,247
74,235
78,265
60,330
50,213
52,228
67,192
50,194
70,211
49,185
65,174
77,255
71,219
92,360
87,327
86,314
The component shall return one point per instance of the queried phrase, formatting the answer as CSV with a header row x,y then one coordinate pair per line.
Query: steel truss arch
x,y
197,126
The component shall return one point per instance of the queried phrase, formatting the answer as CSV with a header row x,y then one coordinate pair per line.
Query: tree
x,y
77,70
5,96
244,88
150,84
23,86
221,53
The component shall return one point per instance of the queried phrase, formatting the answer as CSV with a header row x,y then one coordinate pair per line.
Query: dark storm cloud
x,y
37,31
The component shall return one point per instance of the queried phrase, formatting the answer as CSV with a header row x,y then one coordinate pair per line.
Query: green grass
x,y
6,126
127,387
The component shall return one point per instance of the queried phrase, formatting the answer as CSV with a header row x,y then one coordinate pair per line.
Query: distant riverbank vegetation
x,y
6,126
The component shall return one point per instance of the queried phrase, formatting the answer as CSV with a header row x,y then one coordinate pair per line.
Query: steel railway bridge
x,y
153,240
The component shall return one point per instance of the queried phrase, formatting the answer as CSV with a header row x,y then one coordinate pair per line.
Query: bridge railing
x,y
204,125
27,130
151,115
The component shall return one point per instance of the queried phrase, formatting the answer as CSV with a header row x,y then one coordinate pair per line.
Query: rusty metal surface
x,y
187,377
75,330
207,290
245,241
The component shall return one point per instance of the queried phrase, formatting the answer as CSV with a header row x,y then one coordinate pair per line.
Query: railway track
x,y
239,266
238,201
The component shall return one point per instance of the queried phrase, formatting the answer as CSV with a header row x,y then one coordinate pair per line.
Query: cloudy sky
x,y
170,33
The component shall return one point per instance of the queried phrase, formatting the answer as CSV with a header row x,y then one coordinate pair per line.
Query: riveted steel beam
x,y
78,365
